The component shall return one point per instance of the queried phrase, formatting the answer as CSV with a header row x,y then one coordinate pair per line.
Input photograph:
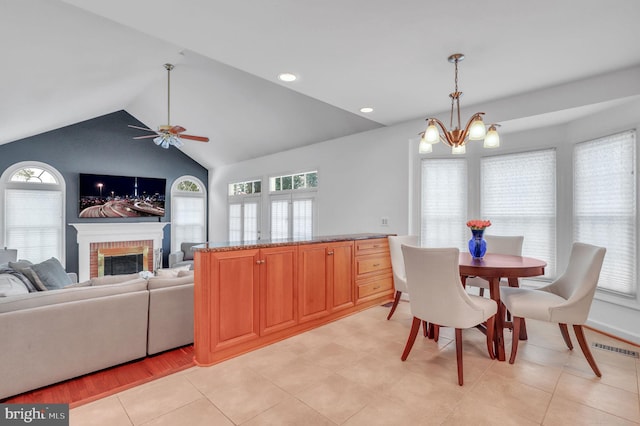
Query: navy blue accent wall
x,y
102,145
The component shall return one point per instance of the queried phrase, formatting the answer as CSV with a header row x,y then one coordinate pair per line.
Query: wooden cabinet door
x,y
278,288
234,296
340,257
314,298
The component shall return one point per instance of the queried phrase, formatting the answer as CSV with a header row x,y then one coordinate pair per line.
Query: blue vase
x,y
477,244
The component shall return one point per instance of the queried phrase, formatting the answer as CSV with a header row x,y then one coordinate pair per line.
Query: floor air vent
x,y
621,351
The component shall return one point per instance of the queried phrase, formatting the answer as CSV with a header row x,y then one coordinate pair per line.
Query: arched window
x,y
188,212
33,195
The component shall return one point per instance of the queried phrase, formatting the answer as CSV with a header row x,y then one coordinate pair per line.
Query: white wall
x,y
361,179
375,174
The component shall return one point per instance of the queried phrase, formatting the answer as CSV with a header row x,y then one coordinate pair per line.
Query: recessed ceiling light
x,y
366,109
287,77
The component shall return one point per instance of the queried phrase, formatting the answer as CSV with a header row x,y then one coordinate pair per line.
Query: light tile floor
x,y
349,373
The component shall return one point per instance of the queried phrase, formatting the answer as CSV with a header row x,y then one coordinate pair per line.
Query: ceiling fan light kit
x,y
457,137
168,135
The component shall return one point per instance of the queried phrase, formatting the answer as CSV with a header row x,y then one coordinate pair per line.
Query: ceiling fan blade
x,y
141,128
146,137
176,129
195,138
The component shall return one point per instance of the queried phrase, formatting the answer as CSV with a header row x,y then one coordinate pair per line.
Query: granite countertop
x,y
245,245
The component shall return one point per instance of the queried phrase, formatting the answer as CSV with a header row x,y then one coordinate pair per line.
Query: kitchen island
x,y
251,294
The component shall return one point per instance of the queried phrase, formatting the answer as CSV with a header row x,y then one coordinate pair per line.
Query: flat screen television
x,y
106,196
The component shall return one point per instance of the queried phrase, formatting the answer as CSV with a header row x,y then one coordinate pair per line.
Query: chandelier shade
x,y
457,137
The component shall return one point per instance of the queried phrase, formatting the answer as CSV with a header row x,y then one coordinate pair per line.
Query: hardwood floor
x,y
100,384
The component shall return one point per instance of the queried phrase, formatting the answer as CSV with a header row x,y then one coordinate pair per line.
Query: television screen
x,y
121,196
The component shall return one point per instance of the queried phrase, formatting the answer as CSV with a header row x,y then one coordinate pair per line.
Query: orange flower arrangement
x,y
478,224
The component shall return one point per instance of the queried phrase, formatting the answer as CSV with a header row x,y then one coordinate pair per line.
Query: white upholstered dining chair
x,y
498,244
437,297
567,300
397,265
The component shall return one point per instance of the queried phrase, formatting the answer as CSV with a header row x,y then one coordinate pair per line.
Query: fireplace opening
x,y
122,260
126,264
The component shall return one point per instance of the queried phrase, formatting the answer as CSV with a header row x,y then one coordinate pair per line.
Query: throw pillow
x,y
10,286
171,272
24,267
189,273
51,274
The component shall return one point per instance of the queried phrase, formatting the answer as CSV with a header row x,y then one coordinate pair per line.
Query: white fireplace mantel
x,y
106,232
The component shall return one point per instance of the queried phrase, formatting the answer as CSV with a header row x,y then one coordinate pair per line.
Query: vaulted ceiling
x,y
70,60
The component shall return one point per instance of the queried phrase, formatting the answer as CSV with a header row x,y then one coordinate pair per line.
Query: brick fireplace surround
x,y
92,236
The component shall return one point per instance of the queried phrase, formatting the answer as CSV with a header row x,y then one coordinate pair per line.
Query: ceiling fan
x,y
168,135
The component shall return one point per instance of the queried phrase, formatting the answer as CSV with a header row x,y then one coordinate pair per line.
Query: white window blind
x,y
235,222
34,223
605,206
444,203
188,215
518,196
250,223
302,219
279,219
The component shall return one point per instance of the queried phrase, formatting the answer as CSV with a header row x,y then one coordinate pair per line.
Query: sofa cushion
x,y
161,282
114,279
186,249
45,298
50,274
11,285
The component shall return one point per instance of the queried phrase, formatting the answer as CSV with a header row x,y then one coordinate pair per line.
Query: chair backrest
x,y
397,260
499,244
579,281
8,255
437,295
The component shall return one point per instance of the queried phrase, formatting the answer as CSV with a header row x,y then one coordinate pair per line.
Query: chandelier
x,y
458,137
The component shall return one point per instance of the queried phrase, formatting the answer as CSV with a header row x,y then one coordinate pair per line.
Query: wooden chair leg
x,y
481,292
582,341
415,327
459,354
395,304
515,339
425,328
491,324
565,335
436,332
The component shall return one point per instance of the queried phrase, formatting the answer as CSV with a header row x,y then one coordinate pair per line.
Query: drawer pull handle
x,y
376,265
376,287
376,245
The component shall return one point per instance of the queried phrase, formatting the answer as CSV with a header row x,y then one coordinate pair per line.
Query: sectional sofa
x,y
50,336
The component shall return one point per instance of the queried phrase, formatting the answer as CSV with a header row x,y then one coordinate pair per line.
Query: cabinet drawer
x,y
372,264
375,245
375,286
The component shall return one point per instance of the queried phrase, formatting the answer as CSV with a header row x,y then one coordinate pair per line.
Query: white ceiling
x,y
70,60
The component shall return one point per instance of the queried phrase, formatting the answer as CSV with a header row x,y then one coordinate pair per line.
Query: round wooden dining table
x,y
494,267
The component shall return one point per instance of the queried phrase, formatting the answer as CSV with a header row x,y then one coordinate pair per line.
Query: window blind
x,y
518,196
444,203
235,222
302,219
250,223
605,206
34,223
188,219
279,219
